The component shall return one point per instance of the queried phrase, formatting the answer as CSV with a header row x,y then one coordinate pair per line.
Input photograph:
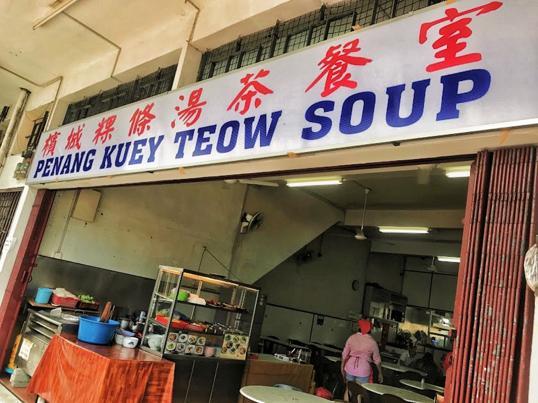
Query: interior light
x,y
458,172
404,230
313,182
449,259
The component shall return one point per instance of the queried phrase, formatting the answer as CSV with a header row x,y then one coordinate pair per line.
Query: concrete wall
x,y
385,270
292,218
323,284
138,228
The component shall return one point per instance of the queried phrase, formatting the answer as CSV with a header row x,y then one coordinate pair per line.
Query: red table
x,y
74,371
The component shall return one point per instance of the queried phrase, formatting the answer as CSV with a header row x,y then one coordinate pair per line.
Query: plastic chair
x,y
356,390
387,398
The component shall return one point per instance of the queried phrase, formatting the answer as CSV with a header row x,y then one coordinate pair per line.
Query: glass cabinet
x,y
201,315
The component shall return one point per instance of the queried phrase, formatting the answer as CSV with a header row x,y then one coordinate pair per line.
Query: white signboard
x,y
458,67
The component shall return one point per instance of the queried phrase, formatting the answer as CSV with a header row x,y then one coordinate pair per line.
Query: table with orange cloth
x,y
74,371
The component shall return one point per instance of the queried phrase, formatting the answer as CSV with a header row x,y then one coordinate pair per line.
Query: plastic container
x,y
66,302
90,330
43,295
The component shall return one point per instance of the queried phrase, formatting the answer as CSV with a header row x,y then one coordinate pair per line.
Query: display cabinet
x,y
193,314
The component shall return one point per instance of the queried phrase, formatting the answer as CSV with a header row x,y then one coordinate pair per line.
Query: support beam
x,y
187,66
418,248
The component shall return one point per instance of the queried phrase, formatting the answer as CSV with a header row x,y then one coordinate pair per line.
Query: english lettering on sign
x,y
351,122
256,132
438,72
131,153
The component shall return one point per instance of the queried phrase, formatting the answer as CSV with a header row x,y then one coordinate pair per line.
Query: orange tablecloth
x,y
73,371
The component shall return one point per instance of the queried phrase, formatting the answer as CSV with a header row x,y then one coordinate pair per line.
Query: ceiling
x,y
395,192
407,187
85,35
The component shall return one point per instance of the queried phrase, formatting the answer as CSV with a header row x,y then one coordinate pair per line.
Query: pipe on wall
x,y
7,140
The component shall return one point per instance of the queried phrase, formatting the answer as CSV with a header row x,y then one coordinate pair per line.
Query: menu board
x,y
234,346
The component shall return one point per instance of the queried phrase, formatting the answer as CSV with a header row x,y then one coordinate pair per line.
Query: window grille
x,y
141,88
8,204
297,33
35,135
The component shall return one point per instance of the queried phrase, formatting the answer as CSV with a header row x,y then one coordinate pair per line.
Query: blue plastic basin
x,y
90,330
43,295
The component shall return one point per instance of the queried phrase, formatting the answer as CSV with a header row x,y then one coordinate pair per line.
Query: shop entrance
x,y
382,243
392,257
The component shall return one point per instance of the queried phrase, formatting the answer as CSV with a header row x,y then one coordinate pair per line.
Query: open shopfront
x,y
109,241
314,243
377,238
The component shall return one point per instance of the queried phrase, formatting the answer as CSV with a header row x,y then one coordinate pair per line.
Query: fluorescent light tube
x,y
449,259
460,172
294,183
404,230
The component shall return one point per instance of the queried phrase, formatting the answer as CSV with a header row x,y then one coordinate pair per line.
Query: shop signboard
x,y
455,68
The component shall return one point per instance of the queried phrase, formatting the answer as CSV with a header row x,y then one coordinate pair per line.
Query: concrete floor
x,y
6,396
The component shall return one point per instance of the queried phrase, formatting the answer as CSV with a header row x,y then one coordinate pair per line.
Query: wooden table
x,y
270,394
418,385
405,394
401,368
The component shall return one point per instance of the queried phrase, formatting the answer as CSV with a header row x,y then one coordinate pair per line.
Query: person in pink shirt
x,y
360,350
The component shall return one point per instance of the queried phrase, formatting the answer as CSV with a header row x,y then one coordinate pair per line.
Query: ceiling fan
x,y
251,182
360,235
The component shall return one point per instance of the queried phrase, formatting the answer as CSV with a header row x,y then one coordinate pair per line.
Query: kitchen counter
x,y
115,351
71,370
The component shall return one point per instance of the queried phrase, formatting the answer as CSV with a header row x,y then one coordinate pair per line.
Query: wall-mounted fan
x,y
251,222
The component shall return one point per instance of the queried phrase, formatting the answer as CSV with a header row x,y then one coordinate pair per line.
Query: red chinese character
x,y
250,91
334,67
50,144
141,119
192,112
453,35
73,140
104,130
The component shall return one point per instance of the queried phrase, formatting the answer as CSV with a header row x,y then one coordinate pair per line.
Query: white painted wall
x,y
15,234
7,181
138,228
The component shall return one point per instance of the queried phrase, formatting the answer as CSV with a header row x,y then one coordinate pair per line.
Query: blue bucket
x,y
43,295
90,330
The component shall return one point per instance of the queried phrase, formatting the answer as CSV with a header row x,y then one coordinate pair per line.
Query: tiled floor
x,y
6,396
